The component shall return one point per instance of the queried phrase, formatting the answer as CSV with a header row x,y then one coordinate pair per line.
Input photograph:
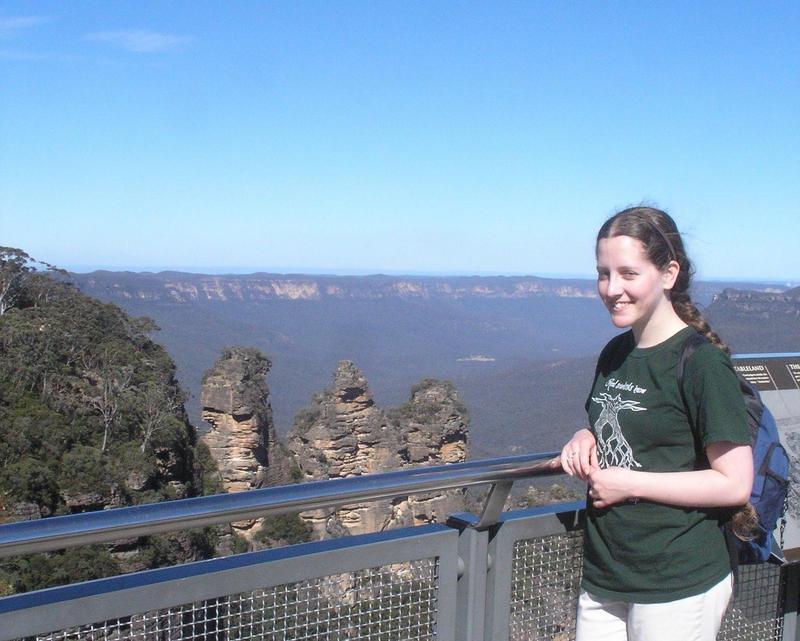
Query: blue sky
x,y
429,137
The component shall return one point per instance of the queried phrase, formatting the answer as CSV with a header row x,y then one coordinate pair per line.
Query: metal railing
x,y
491,577
108,525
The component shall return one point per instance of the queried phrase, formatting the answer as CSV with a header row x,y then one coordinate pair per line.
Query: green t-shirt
x,y
649,552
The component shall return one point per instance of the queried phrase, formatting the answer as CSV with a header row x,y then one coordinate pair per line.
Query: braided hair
x,y
662,242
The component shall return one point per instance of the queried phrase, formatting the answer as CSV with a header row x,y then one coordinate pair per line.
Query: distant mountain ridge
x,y
756,301
753,321
187,287
179,287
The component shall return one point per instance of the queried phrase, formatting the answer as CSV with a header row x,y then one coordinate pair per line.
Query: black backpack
x,y
771,471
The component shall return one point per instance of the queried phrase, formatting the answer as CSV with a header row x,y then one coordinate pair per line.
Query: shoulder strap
x,y
690,346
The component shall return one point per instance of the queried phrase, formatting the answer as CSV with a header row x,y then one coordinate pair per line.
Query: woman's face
x,y
631,287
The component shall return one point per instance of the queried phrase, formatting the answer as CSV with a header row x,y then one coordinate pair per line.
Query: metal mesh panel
x,y
545,581
756,612
546,576
387,603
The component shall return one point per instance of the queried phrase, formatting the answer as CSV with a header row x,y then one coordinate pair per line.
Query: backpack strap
x,y
692,343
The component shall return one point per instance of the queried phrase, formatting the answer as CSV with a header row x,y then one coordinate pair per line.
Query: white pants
x,y
696,618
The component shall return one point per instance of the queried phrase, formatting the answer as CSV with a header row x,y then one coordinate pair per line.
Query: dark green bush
x,y
38,571
289,528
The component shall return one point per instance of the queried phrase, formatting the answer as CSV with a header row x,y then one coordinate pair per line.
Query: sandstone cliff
x,y
242,441
761,303
757,321
343,433
182,288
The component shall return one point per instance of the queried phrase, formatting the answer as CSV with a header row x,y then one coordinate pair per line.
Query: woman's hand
x,y
727,483
611,485
579,456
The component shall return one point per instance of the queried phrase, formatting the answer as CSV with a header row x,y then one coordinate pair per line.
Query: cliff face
x,y
343,433
177,287
760,303
242,439
755,321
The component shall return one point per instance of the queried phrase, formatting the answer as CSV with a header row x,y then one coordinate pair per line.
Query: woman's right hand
x,y
579,456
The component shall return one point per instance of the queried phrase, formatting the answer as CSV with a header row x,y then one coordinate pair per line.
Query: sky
x,y
397,137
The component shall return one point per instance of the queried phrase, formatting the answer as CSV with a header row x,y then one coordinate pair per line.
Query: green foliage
x,y
19,282
172,549
288,528
6,589
38,571
91,416
83,469
132,470
239,544
207,472
555,493
420,409
305,419
295,473
28,480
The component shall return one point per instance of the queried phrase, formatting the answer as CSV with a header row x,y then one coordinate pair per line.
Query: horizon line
x,y
215,270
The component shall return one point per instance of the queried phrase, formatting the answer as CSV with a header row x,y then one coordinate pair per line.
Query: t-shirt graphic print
x,y
613,448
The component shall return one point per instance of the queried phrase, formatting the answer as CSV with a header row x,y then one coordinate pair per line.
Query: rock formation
x,y
435,427
435,424
761,303
754,321
344,434
242,441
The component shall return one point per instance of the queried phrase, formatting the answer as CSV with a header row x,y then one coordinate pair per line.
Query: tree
x,y
14,266
111,381
158,408
16,269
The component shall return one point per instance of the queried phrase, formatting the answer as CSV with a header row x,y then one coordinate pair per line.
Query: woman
x,y
662,464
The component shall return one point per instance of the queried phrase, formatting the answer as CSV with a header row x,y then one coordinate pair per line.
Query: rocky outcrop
x,y
343,433
241,440
757,321
434,424
761,303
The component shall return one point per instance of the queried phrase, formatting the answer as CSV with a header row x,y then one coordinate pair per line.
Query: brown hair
x,y
662,243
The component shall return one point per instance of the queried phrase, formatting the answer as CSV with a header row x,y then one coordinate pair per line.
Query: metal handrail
x,y
58,532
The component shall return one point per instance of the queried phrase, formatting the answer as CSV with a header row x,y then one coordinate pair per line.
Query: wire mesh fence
x,y
388,603
756,613
546,576
402,601
545,580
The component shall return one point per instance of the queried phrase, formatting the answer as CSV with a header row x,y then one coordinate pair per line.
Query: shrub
x,y
284,527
